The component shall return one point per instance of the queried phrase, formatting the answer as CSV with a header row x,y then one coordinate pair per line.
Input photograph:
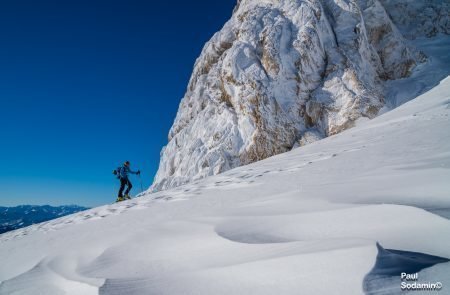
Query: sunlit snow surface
x,y
304,222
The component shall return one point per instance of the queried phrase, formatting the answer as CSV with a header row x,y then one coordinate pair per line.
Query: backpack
x,y
117,172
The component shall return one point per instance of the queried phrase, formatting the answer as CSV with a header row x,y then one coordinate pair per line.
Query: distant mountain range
x,y
12,218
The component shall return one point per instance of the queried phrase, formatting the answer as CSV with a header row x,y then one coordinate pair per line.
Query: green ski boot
x,y
120,199
127,197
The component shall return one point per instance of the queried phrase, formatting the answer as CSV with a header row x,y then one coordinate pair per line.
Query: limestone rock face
x,y
419,18
281,68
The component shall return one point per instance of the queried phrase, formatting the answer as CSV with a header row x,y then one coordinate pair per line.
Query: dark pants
x,y
124,182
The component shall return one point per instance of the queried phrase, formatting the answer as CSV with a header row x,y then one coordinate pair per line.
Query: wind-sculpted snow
x,y
383,278
279,71
304,222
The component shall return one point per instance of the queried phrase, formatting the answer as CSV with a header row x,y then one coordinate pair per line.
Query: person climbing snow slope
x,y
122,174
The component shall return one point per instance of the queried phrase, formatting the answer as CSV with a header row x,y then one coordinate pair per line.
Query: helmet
x,y
127,163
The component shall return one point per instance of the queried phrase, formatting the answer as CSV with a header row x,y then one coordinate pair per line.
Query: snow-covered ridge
x,y
303,222
284,73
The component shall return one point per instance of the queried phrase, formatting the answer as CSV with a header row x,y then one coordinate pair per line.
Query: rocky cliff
x,y
283,73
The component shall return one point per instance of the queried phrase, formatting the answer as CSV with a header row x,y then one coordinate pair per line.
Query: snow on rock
x,y
280,68
304,222
309,136
420,18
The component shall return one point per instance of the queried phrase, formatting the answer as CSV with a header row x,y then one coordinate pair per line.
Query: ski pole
x,y
140,179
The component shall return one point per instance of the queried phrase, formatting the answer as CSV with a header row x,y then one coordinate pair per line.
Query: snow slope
x,y
303,222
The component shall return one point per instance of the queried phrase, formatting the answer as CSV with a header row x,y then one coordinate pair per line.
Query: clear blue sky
x,y
85,85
